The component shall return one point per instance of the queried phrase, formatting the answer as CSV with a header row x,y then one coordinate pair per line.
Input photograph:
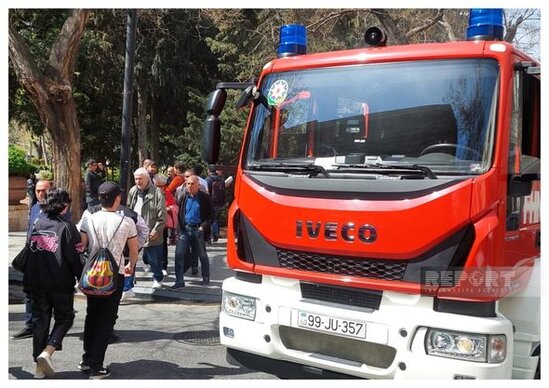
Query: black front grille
x,y
352,297
342,265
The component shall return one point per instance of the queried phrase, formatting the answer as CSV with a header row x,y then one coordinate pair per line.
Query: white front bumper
x,y
400,323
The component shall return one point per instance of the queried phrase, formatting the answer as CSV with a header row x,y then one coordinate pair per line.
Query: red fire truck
x,y
386,223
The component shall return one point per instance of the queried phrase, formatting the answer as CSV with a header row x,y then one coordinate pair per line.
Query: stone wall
x,y
18,218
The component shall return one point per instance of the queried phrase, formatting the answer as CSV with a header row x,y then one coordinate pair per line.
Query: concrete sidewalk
x,y
193,290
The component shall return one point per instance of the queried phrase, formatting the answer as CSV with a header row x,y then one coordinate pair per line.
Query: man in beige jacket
x,y
148,200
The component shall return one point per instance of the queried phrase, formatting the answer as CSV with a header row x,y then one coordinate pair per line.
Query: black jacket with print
x,y
54,262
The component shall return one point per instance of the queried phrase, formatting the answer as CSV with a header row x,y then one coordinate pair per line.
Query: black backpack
x,y
218,191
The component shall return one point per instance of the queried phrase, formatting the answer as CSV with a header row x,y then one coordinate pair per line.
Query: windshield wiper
x,y
290,167
384,168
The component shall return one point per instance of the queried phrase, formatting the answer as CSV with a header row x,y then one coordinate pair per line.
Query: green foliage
x,y
180,56
45,174
17,164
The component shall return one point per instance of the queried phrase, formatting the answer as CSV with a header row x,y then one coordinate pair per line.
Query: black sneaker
x,y
102,373
177,286
25,332
84,367
205,281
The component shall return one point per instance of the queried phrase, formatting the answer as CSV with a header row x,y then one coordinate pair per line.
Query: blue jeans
x,y
153,256
215,221
190,237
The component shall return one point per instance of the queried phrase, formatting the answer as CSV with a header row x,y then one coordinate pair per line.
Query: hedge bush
x,y
17,164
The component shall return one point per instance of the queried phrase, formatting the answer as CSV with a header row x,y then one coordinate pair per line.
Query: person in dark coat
x,y
195,213
52,269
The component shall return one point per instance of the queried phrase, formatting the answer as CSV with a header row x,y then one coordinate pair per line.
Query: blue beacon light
x,y
293,40
485,24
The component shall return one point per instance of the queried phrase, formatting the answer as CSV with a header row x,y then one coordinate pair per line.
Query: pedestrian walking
x,y
159,181
216,189
195,212
92,181
106,228
53,266
147,200
41,188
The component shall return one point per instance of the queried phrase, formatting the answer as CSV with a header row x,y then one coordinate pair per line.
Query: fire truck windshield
x,y
438,114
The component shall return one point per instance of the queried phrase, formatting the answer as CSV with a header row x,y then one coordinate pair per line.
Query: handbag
x,y
100,273
20,261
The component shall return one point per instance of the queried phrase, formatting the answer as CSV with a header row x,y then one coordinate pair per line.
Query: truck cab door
x,y
522,235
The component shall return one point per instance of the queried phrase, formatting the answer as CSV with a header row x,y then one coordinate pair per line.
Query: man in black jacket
x,y
92,181
195,213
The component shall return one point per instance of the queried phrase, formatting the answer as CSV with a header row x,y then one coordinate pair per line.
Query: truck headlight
x,y
466,346
239,305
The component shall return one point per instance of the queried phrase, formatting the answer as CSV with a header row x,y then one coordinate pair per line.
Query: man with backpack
x,y
111,230
216,188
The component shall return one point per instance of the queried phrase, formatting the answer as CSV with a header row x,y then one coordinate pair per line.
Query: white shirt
x,y
138,205
105,224
141,227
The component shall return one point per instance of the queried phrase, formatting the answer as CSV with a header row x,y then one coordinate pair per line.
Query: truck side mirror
x,y
211,139
520,185
246,98
211,134
215,102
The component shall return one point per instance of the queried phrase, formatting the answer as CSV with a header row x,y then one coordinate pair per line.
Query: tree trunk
x,y
155,135
51,93
65,132
142,142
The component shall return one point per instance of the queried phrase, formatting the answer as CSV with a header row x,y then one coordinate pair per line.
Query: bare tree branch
x,y
334,15
427,25
448,28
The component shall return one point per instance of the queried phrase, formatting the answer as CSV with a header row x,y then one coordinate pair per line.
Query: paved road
x,y
177,340
165,334
193,291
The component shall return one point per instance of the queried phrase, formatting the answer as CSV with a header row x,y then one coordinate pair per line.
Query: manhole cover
x,y
202,337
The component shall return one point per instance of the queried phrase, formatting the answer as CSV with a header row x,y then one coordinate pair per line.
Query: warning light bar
x,y
485,24
293,40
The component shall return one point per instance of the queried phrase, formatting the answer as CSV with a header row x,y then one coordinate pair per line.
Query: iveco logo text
x,y
332,231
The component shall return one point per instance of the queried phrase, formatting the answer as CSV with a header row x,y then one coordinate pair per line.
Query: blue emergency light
x,y
293,40
485,24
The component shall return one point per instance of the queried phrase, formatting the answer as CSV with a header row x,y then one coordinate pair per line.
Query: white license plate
x,y
341,326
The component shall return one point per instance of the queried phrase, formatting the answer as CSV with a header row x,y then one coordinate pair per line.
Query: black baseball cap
x,y
108,191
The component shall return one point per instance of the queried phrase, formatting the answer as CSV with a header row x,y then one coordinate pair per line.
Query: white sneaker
x,y
164,272
146,268
43,361
157,284
127,294
38,374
